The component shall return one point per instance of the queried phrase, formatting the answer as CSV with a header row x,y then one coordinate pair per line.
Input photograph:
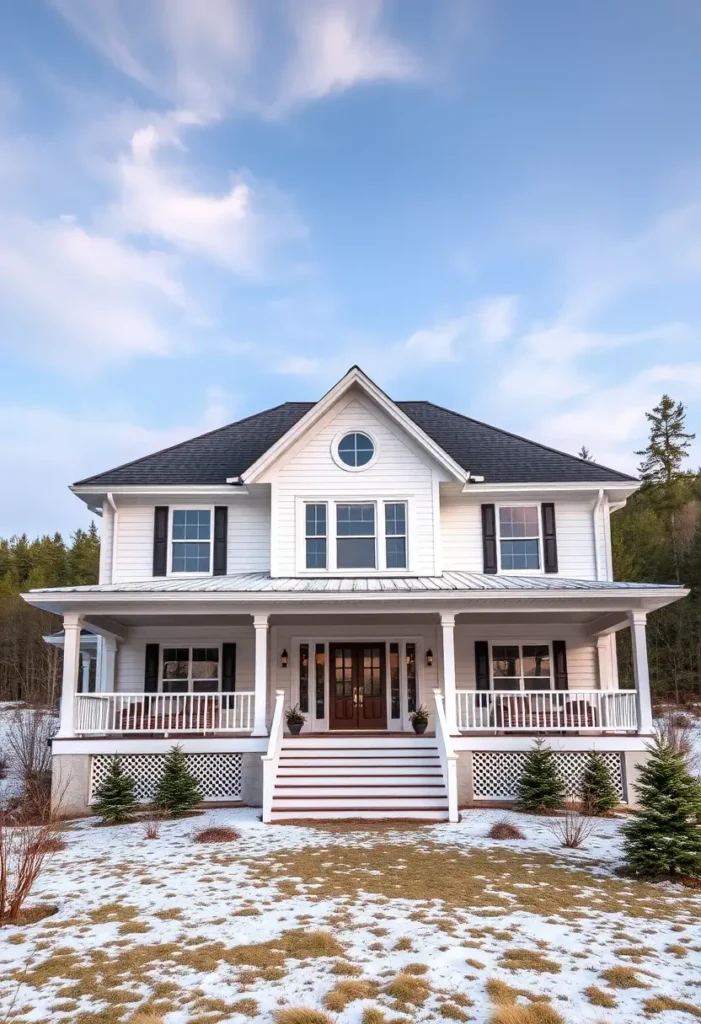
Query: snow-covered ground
x,y
209,932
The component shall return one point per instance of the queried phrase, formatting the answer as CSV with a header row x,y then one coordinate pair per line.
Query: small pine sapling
x,y
597,792
177,790
663,838
540,788
115,795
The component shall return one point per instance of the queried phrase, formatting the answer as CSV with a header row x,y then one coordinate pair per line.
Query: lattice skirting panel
x,y
218,775
496,774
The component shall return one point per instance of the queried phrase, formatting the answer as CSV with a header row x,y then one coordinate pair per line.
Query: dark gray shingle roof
x,y
498,456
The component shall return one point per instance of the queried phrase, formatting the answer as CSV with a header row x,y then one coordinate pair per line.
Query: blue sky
x,y
210,208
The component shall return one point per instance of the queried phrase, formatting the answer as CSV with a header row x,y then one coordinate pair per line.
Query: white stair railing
x,y
449,759
271,759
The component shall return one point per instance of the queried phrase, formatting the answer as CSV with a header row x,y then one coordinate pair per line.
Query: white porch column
x,y
640,667
605,659
107,663
71,666
448,629
85,662
260,626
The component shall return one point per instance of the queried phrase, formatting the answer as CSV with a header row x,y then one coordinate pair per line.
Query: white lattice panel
x,y
218,775
496,774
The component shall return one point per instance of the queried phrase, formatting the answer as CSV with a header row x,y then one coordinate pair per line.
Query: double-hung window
x,y
315,534
191,540
355,536
395,534
190,670
521,667
519,538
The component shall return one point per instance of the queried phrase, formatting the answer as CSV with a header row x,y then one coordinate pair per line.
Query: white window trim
x,y
175,645
520,504
392,536
380,537
522,678
190,508
307,536
339,461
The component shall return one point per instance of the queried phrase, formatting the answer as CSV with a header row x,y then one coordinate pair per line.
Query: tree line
x,y
656,538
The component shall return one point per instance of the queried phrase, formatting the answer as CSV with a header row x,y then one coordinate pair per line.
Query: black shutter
x,y
482,664
560,666
221,521
151,668
160,540
228,668
489,539
549,537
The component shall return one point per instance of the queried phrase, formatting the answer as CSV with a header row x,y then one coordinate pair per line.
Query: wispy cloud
x,y
252,57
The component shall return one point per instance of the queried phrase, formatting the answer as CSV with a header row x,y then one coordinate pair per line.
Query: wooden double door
x,y
357,684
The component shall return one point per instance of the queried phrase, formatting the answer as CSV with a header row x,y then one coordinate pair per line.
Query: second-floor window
x,y
355,537
519,537
191,540
395,534
315,536
352,536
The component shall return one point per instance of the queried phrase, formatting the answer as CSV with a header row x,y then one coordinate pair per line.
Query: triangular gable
x,y
354,378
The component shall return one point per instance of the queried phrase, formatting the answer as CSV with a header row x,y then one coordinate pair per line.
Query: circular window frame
x,y
344,465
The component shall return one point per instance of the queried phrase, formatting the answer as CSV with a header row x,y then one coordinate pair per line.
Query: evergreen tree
x,y
585,454
663,837
669,443
115,796
84,556
540,788
177,790
596,790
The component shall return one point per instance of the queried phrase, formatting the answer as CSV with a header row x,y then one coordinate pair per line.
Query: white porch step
x,y
359,776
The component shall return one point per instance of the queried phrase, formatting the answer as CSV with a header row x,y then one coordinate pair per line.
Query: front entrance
x,y
357,684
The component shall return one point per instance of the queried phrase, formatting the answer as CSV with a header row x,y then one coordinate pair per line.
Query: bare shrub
x,y
23,850
216,834
151,823
505,829
676,730
29,760
572,829
3,767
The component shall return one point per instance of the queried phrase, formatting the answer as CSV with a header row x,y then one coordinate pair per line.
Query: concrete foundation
x,y
70,785
252,779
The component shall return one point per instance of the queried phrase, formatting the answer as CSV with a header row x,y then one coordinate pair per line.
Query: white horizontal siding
x,y
249,534
461,530
131,657
134,554
398,472
582,659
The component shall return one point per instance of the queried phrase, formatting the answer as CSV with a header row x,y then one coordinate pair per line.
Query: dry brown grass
x,y
345,992
536,1013
504,995
658,1004
452,1012
216,834
505,830
248,1007
623,977
371,1015
301,1015
346,969
528,960
416,969
403,944
597,997
407,988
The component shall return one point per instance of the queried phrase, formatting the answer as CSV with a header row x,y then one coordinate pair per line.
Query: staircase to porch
x,y
359,776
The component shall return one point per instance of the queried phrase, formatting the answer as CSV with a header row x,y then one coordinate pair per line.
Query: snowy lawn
x,y
373,924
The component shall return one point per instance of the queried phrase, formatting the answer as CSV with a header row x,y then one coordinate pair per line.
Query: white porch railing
x,y
449,760
171,713
271,759
547,711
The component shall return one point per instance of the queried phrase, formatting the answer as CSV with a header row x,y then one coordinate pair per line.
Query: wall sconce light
x,y
284,658
429,657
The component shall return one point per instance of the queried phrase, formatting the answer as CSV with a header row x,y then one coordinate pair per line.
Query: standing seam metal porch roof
x,y
258,582
482,450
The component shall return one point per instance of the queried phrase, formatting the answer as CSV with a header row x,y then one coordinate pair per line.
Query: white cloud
x,y
299,366
256,57
240,229
488,321
86,295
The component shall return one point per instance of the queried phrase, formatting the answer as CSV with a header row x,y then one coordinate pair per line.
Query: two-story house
x,y
358,557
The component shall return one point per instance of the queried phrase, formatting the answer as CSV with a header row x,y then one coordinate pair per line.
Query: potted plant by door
x,y
295,720
419,719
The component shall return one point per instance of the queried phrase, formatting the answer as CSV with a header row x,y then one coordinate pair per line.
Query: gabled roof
x,y
475,447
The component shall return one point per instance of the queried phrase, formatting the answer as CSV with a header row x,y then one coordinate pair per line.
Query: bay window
x,y
353,536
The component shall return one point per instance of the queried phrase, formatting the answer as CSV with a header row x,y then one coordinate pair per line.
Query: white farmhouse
x,y
358,557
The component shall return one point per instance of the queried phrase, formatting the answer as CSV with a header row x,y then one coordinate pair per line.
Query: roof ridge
x,y
188,440
519,437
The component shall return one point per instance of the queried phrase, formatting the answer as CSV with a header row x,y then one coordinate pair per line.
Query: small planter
x,y
419,720
295,727
295,720
420,726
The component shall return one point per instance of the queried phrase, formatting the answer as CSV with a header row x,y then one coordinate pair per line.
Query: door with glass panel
x,y
357,682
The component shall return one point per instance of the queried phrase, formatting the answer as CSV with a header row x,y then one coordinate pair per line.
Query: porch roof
x,y
451,581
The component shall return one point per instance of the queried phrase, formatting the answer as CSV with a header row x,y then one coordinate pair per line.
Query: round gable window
x,y
355,450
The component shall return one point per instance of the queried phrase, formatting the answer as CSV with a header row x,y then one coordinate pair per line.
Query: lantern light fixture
x,y
284,658
429,657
